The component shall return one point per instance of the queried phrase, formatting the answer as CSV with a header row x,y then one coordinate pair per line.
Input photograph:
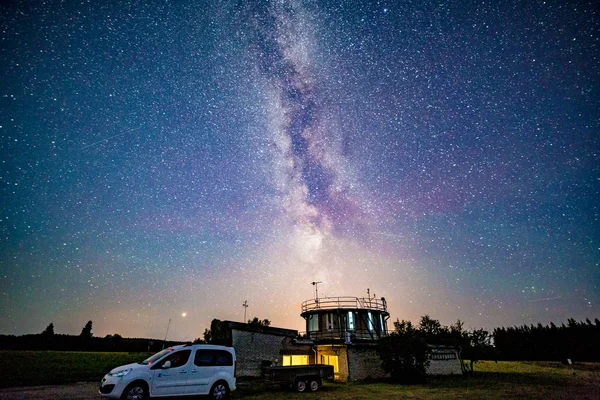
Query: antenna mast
x,y
168,325
316,285
245,305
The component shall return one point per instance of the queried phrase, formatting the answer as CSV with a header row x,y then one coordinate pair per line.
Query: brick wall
x,y
364,363
252,348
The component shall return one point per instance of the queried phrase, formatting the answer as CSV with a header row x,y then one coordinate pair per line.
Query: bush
x,y
404,354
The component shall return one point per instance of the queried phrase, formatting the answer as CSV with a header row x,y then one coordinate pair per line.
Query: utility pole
x,y
165,341
245,305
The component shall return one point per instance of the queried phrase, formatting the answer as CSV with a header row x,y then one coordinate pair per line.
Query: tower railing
x,y
332,303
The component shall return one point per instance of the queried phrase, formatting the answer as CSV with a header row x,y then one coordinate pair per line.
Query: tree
x,y
478,345
113,342
218,333
404,327
458,328
404,354
207,336
429,326
259,322
86,332
49,331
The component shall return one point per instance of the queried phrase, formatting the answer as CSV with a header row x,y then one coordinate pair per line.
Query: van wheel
x,y
135,391
301,386
219,391
314,385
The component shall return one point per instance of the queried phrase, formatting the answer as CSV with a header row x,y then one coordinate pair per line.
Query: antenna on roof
x,y
245,305
315,284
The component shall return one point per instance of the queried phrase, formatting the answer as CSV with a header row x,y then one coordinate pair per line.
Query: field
x,y
27,368
502,380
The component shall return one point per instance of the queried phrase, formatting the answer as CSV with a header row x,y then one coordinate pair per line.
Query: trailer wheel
x,y
301,385
314,385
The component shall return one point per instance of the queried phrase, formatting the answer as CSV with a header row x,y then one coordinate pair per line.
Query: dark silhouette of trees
x,y
259,322
476,345
86,332
206,337
431,327
49,331
113,342
577,341
50,340
404,354
218,334
86,336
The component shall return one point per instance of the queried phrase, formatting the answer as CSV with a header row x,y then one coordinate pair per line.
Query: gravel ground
x,y
79,391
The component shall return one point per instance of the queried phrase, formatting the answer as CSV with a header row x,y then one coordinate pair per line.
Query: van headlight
x,y
120,373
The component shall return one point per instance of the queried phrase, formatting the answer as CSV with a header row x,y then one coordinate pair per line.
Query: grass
x,y
502,380
28,368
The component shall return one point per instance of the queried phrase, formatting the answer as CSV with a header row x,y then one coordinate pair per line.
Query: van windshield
x,y
150,360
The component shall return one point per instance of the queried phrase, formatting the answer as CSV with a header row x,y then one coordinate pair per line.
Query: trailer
x,y
303,378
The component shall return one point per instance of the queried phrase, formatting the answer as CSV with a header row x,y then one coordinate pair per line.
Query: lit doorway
x,y
331,360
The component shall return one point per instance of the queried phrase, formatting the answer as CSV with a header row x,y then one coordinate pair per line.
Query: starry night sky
x,y
162,157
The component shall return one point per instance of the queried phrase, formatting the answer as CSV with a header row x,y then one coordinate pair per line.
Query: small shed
x,y
444,360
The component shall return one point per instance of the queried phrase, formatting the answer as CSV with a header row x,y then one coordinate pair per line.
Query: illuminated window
x,y
381,322
350,320
331,360
370,322
294,360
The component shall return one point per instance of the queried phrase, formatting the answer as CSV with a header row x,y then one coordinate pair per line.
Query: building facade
x,y
344,332
340,331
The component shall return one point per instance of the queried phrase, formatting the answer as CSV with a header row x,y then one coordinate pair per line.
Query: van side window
x,y
204,358
223,358
178,359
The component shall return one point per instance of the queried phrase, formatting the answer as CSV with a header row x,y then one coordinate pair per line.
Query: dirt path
x,y
79,391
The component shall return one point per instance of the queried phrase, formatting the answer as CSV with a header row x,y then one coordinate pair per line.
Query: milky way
x,y
170,161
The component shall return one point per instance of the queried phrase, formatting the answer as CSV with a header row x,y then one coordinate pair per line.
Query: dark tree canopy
x,y
259,322
429,326
218,333
49,331
404,354
577,341
86,332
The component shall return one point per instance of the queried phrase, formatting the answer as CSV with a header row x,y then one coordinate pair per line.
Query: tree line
x,y
405,352
85,341
578,341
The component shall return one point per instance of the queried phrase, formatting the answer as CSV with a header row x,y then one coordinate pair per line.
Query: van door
x,y
202,371
172,380
224,363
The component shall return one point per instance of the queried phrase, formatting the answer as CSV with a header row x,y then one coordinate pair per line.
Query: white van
x,y
198,369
